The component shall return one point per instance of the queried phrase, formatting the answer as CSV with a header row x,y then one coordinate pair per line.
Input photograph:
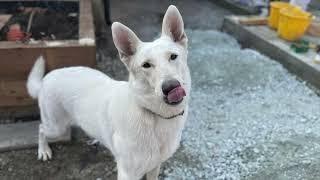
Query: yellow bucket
x,y
293,23
275,8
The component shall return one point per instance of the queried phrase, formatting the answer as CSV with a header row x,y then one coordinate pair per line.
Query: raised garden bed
x,y
50,35
267,42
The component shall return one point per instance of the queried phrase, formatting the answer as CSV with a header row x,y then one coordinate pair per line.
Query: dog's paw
x,y
44,153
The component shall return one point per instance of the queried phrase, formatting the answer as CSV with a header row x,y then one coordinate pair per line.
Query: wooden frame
x,y
17,59
267,42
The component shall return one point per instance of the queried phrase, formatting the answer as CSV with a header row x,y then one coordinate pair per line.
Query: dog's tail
x,y
34,82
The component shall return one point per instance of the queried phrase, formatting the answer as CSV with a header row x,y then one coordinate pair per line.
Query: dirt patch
x,y
75,160
42,23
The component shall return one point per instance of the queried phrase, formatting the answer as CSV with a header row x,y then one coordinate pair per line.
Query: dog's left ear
x,y
173,26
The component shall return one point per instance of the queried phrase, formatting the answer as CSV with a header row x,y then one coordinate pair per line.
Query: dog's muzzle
x,y
173,92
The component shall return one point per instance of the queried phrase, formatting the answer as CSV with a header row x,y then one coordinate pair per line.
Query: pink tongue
x,y
176,94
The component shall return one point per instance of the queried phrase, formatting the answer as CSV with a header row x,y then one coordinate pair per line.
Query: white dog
x,y
141,120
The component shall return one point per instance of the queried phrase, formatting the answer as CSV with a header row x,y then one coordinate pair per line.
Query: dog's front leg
x,y
154,173
123,174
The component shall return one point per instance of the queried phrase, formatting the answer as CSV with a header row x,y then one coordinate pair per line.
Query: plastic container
x,y
293,23
275,8
15,33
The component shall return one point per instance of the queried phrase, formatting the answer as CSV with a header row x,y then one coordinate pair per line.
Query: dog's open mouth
x,y
175,96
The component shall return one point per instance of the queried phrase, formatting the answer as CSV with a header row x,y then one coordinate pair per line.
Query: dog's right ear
x,y
125,40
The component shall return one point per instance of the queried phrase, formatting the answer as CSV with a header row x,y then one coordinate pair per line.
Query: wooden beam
x,y
267,42
86,26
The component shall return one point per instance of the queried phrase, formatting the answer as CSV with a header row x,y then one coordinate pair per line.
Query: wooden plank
x,y
277,49
14,73
86,26
39,44
16,63
23,135
253,21
14,93
71,56
13,88
10,101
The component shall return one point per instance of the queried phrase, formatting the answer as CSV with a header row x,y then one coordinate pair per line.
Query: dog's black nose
x,y
169,85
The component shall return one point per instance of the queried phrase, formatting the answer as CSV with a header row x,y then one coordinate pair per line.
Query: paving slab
x,y
22,135
267,42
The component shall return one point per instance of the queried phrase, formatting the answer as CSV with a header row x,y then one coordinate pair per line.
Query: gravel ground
x,y
249,118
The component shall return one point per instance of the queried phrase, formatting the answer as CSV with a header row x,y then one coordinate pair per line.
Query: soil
x,y
47,24
75,160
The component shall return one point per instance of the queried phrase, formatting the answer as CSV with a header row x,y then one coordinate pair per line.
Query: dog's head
x,y
159,75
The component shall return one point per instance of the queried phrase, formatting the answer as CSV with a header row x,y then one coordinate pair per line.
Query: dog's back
x,y
72,96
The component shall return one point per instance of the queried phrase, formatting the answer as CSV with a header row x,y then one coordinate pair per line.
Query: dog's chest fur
x,y
168,134
159,141
152,138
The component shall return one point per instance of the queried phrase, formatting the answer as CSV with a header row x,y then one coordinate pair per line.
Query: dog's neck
x,y
170,117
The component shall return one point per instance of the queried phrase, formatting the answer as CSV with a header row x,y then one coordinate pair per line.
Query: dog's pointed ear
x,y
125,40
173,26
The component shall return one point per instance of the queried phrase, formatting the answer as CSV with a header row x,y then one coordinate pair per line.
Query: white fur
x,y
126,117
35,78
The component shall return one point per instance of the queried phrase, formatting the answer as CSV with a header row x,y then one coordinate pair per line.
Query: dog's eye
x,y
173,57
146,65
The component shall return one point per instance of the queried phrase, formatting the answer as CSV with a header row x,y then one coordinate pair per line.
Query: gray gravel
x,y
249,118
